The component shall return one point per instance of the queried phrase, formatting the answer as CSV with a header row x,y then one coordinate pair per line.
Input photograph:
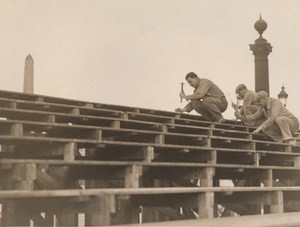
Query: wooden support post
x,y
206,205
67,217
256,158
277,202
267,176
164,127
206,177
99,209
172,121
16,129
115,124
23,176
13,105
89,105
159,139
204,141
252,145
98,135
214,154
40,99
297,162
132,176
75,111
125,116
49,119
148,154
16,212
69,151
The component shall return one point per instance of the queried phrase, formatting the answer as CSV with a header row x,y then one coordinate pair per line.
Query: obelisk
x,y
261,49
28,75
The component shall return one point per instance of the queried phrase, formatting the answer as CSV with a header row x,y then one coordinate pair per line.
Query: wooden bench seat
x,y
267,220
160,136
113,143
39,173
104,201
71,118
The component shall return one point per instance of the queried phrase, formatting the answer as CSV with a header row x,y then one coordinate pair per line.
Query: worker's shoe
x,y
290,141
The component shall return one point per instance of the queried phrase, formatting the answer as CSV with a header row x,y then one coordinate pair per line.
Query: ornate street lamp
x,y
282,96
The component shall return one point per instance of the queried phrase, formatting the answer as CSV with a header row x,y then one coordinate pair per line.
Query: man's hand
x,y
180,110
256,131
182,94
237,114
233,105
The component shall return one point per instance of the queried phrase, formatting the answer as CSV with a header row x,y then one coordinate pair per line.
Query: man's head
x,y
262,98
241,90
192,79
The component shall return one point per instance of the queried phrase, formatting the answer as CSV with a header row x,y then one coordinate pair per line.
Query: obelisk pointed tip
x,y
29,56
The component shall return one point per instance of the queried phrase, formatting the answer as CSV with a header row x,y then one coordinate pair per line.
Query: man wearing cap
x,y
250,114
208,99
280,123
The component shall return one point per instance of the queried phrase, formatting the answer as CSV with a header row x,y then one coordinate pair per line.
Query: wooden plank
x,y
206,177
69,151
16,129
98,211
206,205
267,220
148,153
132,176
277,203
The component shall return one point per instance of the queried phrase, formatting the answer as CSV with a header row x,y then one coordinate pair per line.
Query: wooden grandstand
x,y
67,163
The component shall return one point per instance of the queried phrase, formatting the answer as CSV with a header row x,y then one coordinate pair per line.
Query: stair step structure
x,y
67,162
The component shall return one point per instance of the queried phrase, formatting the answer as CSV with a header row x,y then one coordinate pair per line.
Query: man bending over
x,y
280,123
207,99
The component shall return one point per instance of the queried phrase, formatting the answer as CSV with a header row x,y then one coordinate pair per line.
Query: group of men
x,y
259,110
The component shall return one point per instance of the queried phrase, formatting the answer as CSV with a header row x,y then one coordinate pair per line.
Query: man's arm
x,y
200,91
274,113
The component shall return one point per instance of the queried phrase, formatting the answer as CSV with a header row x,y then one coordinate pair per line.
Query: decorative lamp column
x,y
282,96
261,49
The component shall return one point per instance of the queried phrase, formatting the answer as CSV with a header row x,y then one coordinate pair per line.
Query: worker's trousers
x,y
211,108
282,128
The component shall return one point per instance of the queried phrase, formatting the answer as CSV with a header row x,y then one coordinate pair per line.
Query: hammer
x,y
181,90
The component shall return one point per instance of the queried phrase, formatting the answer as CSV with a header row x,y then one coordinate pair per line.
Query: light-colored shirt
x,y
249,99
206,88
275,109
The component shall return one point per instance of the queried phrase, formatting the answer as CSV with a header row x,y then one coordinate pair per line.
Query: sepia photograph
x,y
150,113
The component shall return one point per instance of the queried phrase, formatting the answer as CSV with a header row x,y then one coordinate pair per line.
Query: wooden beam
x,y
132,176
115,124
277,202
206,177
267,176
75,111
159,139
206,205
16,129
69,151
48,118
148,153
98,210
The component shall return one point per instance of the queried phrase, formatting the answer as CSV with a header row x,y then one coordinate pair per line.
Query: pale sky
x,y
136,52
